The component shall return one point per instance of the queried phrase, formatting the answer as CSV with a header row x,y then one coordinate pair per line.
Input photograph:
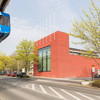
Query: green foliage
x,y
88,30
26,52
96,83
86,80
1,65
26,77
6,62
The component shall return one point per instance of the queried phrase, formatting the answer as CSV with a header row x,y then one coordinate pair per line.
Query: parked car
x,y
8,74
96,76
13,74
21,74
2,73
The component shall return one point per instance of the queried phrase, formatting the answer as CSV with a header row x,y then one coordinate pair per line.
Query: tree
x,y
24,52
12,64
6,62
1,65
88,30
18,64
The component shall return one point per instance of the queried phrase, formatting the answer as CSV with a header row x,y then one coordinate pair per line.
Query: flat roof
x,y
3,4
80,52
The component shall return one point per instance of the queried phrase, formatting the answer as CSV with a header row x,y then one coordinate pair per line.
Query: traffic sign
x,y
93,69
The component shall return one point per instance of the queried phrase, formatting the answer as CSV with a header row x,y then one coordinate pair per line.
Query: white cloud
x,y
21,28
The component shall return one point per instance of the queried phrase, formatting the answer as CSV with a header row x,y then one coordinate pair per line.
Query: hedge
x,y
96,83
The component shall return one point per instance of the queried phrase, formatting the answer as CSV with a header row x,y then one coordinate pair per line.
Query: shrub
x,y
86,80
26,76
96,83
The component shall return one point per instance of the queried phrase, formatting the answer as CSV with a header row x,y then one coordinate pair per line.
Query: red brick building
x,y
58,60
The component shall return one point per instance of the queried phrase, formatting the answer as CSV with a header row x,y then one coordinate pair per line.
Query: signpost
x,y
93,71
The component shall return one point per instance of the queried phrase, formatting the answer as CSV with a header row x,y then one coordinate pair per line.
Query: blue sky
x,y
30,19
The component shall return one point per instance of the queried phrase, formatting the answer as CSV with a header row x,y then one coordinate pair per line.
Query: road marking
x,y
57,93
28,87
8,82
44,91
14,83
85,96
98,96
40,91
70,94
33,87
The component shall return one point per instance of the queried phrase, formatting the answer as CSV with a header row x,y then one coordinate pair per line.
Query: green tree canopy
x,y
1,65
25,51
88,29
6,62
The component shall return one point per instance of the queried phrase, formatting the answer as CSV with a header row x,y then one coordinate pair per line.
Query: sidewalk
x,y
74,81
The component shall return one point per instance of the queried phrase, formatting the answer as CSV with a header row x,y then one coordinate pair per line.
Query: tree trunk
x,y
26,68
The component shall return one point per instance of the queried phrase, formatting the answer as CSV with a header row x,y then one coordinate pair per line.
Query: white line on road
x,y
43,90
85,96
33,87
8,82
70,94
27,86
14,83
98,96
57,93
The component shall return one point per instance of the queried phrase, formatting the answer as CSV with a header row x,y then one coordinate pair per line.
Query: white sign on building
x,y
23,69
93,69
98,71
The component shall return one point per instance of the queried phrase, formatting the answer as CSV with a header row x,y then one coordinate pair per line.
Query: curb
x,y
59,80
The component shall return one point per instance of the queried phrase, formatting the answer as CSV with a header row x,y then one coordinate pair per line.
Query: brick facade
x,y
62,63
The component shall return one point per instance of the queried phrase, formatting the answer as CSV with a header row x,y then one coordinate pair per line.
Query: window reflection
x,y
44,63
4,20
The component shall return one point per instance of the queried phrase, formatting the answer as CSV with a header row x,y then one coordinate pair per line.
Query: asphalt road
x,y
39,89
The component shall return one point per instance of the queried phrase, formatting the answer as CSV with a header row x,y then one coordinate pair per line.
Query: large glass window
x,y
44,63
48,60
4,20
40,61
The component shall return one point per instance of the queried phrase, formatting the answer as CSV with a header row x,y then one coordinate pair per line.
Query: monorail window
x,y
4,20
